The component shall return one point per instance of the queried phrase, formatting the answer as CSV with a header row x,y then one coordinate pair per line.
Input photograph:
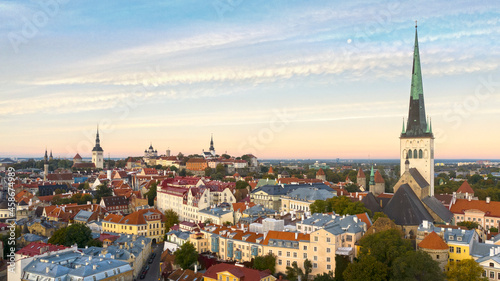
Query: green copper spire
x,y
372,177
416,124
403,131
416,78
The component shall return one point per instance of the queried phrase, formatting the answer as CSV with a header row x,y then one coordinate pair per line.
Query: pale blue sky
x,y
173,72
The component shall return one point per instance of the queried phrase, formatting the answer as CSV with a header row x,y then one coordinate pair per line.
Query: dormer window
x,y
450,237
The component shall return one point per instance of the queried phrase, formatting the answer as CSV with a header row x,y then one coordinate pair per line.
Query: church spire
x,y
212,143
417,123
372,177
97,146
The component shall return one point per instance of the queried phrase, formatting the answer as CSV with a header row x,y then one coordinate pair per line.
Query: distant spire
x,y
372,177
403,131
97,146
212,143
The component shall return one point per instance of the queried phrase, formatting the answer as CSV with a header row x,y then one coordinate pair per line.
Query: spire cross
x,y
415,24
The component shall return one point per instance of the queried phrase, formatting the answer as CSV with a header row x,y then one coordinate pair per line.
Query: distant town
x,y
163,215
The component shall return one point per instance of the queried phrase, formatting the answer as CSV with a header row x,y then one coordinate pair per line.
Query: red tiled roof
x,y
465,188
491,209
320,172
77,156
37,248
379,178
361,174
364,218
270,170
434,242
60,177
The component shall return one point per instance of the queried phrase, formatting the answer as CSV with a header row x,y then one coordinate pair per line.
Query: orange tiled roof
x,y
240,207
433,242
364,218
290,236
491,209
320,172
135,218
465,188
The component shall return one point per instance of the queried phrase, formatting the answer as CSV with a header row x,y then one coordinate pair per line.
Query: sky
x,y
278,79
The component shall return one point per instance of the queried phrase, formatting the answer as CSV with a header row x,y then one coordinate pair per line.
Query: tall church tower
x,y
45,166
417,139
97,153
212,149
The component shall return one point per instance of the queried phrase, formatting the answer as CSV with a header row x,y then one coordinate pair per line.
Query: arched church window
x,y
409,154
420,154
415,155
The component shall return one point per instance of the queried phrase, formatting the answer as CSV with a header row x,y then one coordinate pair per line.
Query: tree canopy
x,y
340,205
171,218
464,270
75,233
265,262
186,255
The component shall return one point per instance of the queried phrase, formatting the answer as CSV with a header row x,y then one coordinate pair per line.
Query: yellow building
x,y
223,271
146,222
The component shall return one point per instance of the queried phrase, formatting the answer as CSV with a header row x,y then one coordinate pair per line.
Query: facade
x,y
146,222
216,215
417,139
115,204
300,199
97,153
484,212
196,164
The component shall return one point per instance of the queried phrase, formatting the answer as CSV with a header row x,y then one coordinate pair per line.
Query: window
x,y
459,250
315,265
305,248
328,259
451,249
491,264
279,262
288,263
294,254
315,258
305,255
328,267
315,238
315,249
348,238
437,257
328,250
287,254
327,239
492,275
279,253
409,154
420,154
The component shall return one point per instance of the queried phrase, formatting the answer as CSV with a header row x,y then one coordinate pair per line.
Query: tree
x,y
341,263
385,246
103,191
94,243
351,187
493,229
469,224
463,270
241,184
366,268
340,205
265,262
208,171
59,191
378,215
293,272
151,194
220,169
183,173
186,255
327,277
171,219
225,156
75,233
416,265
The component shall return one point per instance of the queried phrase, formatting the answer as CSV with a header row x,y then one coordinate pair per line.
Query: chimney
x,y
195,268
47,269
488,199
469,198
492,252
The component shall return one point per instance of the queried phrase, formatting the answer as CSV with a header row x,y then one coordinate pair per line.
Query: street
x,y
154,271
